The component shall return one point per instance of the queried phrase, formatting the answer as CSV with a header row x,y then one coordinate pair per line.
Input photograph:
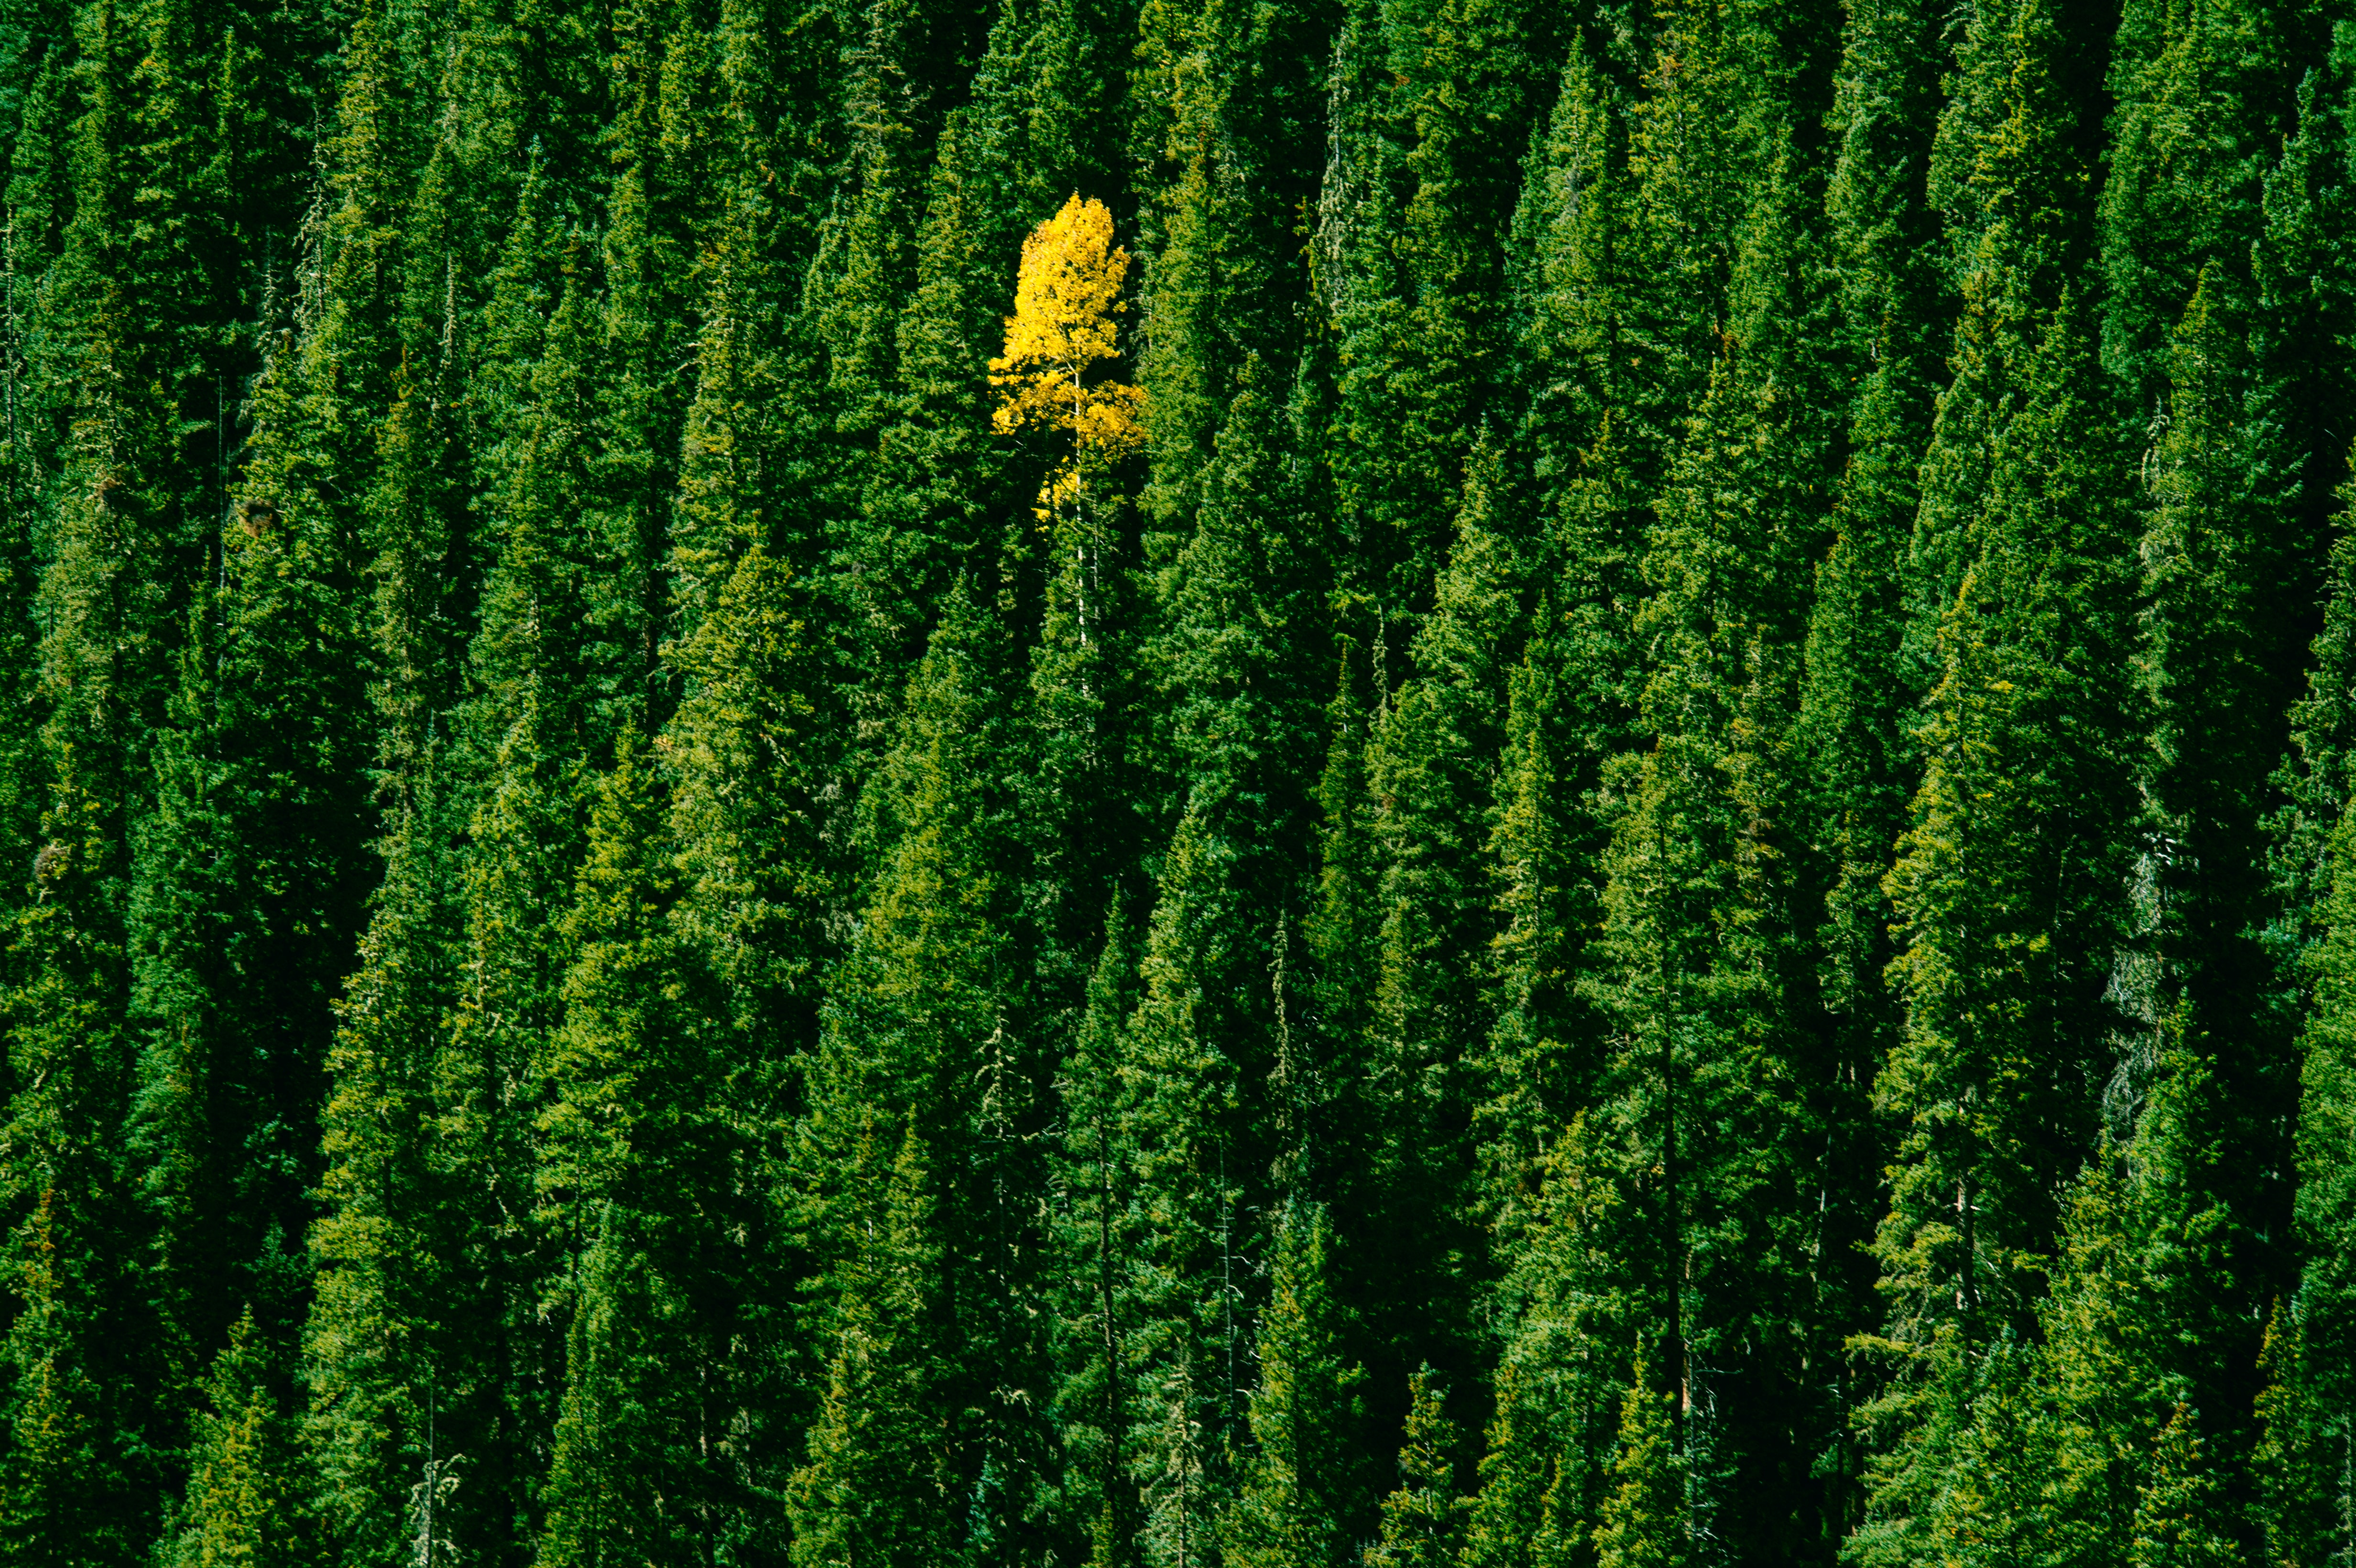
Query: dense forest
x,y
1178,784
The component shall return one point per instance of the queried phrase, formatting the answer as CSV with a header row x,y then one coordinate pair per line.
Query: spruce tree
x,y
1432,765
142,306
2226,517
650,1154
460,982
883,1484
929,1063
245,1503
1423,1516
2307,1439
2018,583
1296,1497
2180,1521
1996,1078
908,70
1707,923
1643,1524
1570,695
250,877
1853,741
1546,1467
1095,1222
1182,1125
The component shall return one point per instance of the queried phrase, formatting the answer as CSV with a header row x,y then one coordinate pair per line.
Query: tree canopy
x,y
1295,784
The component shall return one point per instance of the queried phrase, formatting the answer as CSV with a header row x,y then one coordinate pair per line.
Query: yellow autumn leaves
x,y
1066,297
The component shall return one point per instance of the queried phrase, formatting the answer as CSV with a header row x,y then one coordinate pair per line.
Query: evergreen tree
x,y
909,71
1706,924
243,1505
927,1055
444,1018
2019,563
1568,700
1423,1516
375,1395
1644,1518
2308,1438
2225,484
1295,1498
882,1482
1891,312
661,1454
2180,1520
1995,1079
1546,1468
1094,1224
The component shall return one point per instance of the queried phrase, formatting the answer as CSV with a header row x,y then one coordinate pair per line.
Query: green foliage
x,y
1294,1498
1643,1522
1423,1516
1664,741
245,1502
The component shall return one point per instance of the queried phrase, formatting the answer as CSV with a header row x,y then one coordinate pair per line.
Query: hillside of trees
x,y
1177,784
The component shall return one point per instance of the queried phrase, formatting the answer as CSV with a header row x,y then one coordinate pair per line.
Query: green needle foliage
x,y
1460,783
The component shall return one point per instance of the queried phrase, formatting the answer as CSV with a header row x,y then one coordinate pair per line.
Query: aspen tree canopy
x,y
1065,323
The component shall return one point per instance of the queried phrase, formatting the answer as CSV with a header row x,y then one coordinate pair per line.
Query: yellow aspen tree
x,y
1066,298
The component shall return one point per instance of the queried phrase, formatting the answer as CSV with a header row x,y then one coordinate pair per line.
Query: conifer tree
x,y
34,206
2307,1436
1182,1125
909,69
421,1048
2224,514
1222,99
881,1484
2223,485
758,887
938,480
1341,928
658,218
1294,1501
1546,1463
245,1503
1212,1025
1423,1516
1468,76
1707,920
372,1423
1432,765
2019,563
651,1156
1643,1517
2034,649
1568,699
1361,289
1096,1222
2204,106
2180,1521
2141,1268
750,427
2009,176
245,882
134,340
1891,313
928,1054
